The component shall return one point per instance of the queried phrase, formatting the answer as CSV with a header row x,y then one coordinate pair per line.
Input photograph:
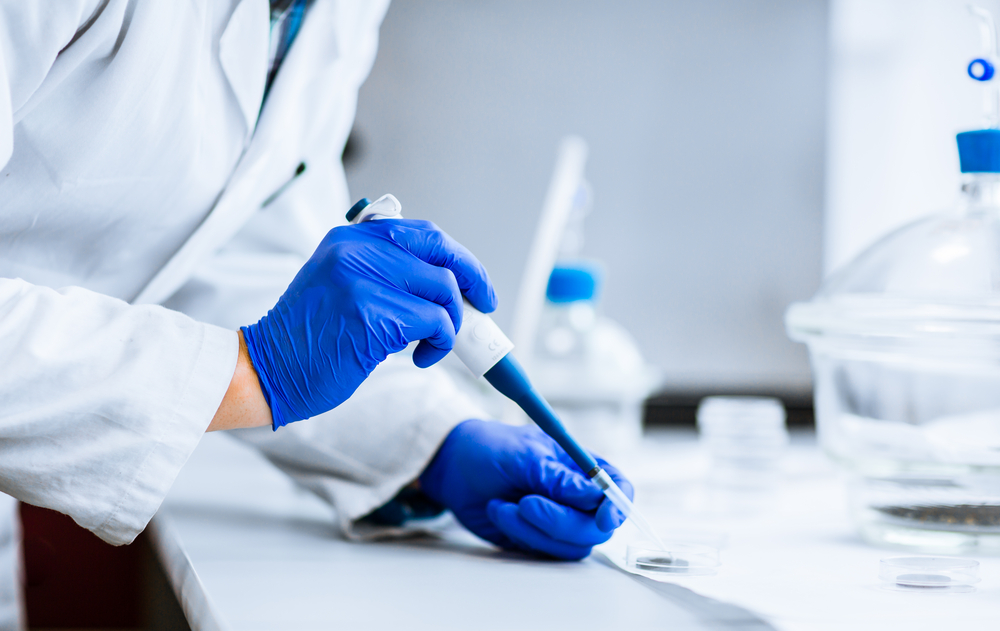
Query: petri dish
x,y
679,559
929,574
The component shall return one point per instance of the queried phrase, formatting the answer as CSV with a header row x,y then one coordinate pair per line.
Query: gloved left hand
x,y
515,487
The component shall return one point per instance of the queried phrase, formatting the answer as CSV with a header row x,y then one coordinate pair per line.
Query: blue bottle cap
x,y
981,70
979,151
570,282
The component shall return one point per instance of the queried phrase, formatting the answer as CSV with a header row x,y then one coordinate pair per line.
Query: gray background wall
x,y
705,120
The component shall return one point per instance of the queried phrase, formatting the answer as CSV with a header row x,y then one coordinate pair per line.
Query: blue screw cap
x,y
571,282
357,208
979,151
981,70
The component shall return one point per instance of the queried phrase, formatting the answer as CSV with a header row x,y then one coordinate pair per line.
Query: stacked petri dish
x,y
745,438
929,574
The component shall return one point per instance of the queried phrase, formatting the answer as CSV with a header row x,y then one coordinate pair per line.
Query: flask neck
x,y
982,190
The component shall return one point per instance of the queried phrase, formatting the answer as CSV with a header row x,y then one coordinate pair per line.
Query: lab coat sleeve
x,y
103,402
32,34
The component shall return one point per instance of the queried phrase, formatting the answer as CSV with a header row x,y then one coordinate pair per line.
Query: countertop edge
x,y
187,586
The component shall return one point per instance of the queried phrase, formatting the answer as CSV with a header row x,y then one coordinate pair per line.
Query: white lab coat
x,y
139,162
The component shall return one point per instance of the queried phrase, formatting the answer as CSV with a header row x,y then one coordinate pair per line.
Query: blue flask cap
x,y
574,281
979,151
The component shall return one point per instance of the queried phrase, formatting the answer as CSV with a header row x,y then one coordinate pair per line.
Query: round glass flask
x,y
905,348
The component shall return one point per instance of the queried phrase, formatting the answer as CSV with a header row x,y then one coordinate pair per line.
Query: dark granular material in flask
x,y
955,517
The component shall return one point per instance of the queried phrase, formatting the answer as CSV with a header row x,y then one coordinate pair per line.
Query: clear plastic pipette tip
x,y
625,505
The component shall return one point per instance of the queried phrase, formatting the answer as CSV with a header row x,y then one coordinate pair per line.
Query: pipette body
x,y
510,380
486,352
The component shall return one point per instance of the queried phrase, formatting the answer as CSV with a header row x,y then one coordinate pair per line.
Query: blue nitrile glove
x,y
516,488
368,291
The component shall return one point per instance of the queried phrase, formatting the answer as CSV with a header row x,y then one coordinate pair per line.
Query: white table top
x,y
246,549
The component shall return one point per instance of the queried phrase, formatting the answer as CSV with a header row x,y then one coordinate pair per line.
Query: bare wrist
x,y
244,404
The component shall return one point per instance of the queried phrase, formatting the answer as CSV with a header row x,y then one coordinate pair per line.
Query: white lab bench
x,y
247,550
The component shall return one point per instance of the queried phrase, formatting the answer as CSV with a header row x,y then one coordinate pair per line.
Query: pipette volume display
x,y
485,350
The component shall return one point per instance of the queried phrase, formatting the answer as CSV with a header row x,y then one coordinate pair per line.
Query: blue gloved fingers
x,y
437,285
608,516
438,340
507,518
562,523
429,322
426,355
429,243
563,483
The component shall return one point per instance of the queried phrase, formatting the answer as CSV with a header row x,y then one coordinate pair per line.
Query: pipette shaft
x,y
509,379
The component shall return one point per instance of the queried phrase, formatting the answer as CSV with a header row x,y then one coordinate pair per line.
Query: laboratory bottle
x,y
588,366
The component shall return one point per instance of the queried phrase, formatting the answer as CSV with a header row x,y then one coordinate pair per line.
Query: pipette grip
x,y
480,343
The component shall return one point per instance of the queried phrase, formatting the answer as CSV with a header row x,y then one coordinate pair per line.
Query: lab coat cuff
x,y
180,431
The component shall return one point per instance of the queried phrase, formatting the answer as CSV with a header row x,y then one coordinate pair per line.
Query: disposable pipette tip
x,y
625,505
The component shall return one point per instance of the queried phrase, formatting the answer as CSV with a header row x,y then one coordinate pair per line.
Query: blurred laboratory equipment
x,y
929,574
587,366
429,117
567,195
905,349
745,438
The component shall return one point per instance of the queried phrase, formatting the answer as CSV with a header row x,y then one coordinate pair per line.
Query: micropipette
x,y
486,352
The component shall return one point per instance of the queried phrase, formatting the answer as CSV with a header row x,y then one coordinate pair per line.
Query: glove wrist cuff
x,y
279,416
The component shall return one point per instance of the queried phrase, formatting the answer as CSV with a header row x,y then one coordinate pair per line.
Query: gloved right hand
x,y
367,292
